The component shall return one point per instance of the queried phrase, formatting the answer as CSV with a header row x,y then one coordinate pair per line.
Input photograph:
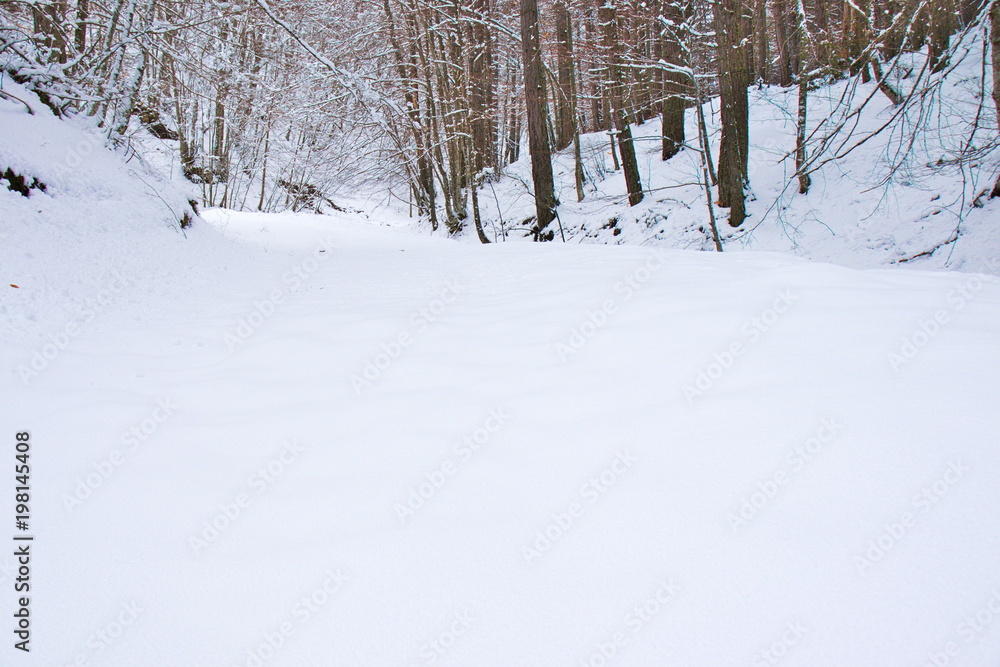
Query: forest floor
x,y
321,442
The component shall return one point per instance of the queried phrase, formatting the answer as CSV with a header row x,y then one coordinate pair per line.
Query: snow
x,y
298,439
847,218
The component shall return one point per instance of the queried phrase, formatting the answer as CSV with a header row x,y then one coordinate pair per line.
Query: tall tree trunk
x,y
734,78
80,33
482,91
761,48
565,99
534,97
803,67
673,22
943,21
607,18
782,34
995,56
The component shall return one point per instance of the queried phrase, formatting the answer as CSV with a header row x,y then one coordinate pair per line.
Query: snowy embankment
x,y
910,194
305,440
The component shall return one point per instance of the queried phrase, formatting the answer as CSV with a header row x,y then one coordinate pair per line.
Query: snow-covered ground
x,y
365,447
314,440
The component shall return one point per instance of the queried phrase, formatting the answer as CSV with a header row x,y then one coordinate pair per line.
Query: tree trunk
x,y
782,35
565,99
607,18
675,84
802,58
995,55
80,33
761,48
534,97
482,88
734,146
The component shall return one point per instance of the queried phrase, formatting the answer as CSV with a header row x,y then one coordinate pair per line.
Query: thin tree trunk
x,y
803,68
707,178
995,56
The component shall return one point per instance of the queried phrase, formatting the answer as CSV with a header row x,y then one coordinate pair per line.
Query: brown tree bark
x,y
565,97
734,78
995,58
761,49
782,34
482,93
607,18
538,142
674,15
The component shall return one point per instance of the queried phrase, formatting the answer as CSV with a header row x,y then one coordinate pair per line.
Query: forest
x,y
274,107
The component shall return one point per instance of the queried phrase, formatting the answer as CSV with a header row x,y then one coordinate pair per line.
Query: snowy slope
x,y
860,212
558,452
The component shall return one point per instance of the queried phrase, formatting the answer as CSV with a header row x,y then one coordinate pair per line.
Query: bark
x,y
941,29
995,58
782,42
607,17
734,78
80,34
534,96
675,84
482,89
707,177
803,67
761,47
565,98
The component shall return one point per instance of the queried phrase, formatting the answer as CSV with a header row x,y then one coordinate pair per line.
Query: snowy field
x,y
364,447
